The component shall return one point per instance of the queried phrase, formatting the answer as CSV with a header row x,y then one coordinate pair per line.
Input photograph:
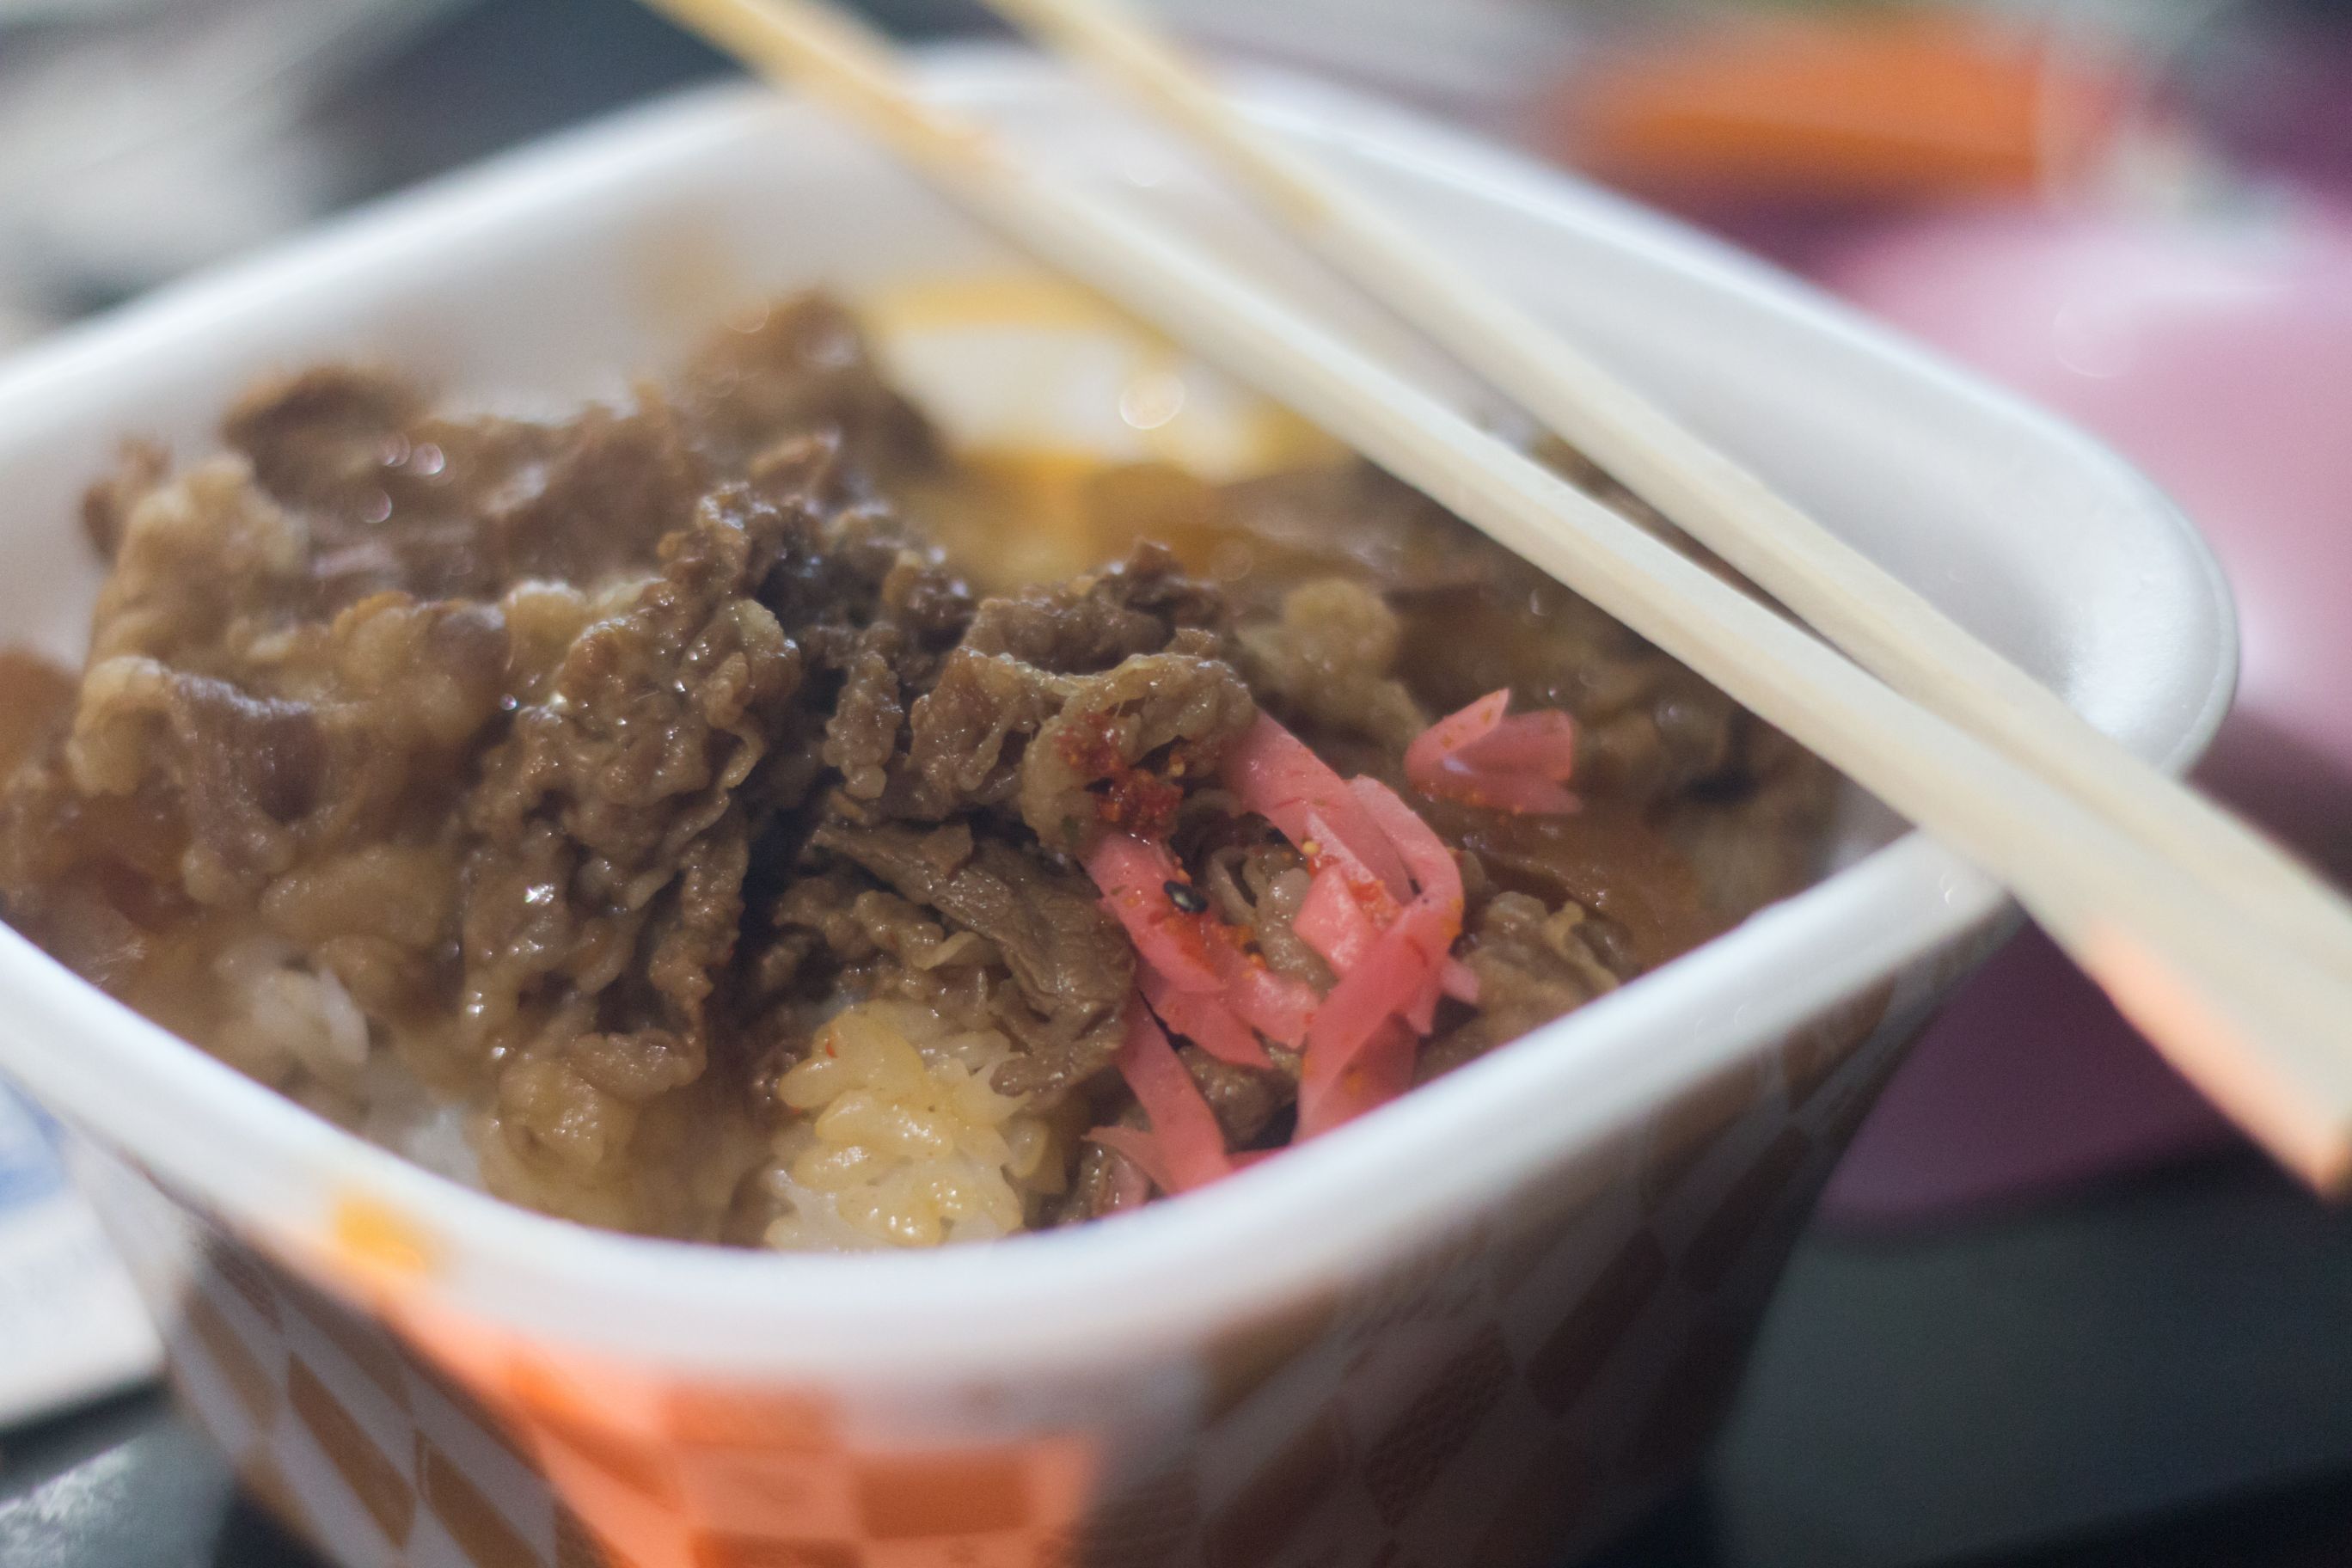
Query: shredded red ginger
x,y
1360,1047
1196,955
1383,910
1481,757
1185,1148
1277,776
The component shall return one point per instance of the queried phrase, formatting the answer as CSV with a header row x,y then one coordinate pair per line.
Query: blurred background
x,y
2052,1311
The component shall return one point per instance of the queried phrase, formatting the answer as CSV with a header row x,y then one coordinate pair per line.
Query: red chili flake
x,y
1135,800
1142,803
1090,747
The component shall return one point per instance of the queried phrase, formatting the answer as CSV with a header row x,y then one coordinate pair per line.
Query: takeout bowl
x,y
1487,1323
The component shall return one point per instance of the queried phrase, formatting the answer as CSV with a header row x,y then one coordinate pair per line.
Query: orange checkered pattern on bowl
x,y
1526,1388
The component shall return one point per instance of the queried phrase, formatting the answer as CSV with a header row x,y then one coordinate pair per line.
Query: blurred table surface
x,y
2153,1374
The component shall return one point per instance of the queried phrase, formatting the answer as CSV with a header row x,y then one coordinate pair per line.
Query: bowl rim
x,y
281,1176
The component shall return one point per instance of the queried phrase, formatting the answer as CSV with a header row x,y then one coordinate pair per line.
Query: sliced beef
x,y
1070,754
1069,960
1245,1099
204,567
1258,886
1533,964
140,468
596,500
862,736
969,734
1608,858
325,438
1330,660
245,768
1118,752
802,364
1139,605
1105,1184
614,801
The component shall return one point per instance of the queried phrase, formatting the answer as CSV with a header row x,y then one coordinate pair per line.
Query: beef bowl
x,y
696,904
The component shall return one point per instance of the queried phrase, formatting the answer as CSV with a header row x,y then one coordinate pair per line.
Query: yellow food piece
x,y
900,1141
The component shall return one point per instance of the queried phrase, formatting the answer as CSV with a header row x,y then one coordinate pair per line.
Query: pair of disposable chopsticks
x,y
2233,960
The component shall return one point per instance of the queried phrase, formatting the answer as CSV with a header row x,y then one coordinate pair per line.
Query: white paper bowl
x,y
1503,1311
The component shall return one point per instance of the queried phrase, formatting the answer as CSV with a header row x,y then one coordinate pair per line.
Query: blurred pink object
x,y
2218,356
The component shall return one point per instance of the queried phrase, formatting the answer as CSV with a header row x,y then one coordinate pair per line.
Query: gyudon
x,y
683,818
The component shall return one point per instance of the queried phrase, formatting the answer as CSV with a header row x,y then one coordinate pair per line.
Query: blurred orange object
x,y
1853,108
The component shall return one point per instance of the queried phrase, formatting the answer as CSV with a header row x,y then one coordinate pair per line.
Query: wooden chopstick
x,y
1887,628
2258,1027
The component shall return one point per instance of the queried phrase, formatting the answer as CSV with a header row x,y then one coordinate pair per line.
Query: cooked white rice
x,y
900,1141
